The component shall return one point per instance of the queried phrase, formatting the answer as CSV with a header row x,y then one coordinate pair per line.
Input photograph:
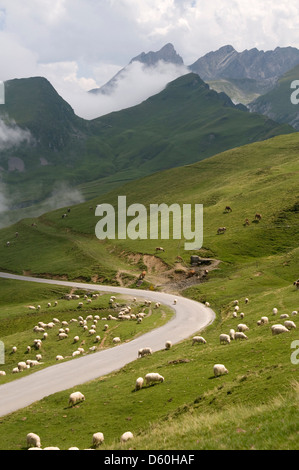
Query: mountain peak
x,y
167,53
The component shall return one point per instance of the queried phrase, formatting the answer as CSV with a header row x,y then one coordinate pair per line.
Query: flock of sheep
x,y
33,440
224,338
62,330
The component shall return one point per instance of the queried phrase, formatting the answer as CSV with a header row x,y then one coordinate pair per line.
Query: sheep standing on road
x,y
144,352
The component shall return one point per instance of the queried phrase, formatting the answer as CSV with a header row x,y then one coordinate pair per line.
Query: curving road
x,y
189,318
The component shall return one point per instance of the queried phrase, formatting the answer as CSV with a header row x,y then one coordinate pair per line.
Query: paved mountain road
x,y
189,318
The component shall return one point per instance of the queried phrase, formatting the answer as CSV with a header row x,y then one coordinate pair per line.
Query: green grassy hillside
x,y
255,405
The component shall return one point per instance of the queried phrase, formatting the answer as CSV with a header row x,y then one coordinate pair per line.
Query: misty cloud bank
x,y
134,84
11,135
62,196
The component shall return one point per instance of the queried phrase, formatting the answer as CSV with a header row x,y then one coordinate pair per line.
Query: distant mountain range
x,y
244,76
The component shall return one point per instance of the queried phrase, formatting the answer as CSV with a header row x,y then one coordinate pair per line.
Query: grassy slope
x,y
259,261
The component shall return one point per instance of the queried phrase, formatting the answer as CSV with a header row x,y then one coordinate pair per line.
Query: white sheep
x,y
76,353
278,329
14,349
232,333
15,370
207,304
22,366
144,352
62,336
76,397
139,383
264,320
198,339
219,369
33,440
274,311
45,335
97,439
153,377
2,372
242,315
294,312
223,338
59,357
116,340
126,436
289,324
284,315
97,338
242,327
240,335
168,344
76,339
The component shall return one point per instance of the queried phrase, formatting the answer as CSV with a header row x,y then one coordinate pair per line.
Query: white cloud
x,y
11,135
81,44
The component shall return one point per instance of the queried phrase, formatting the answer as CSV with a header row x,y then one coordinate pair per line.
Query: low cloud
x,y
12,135
134,84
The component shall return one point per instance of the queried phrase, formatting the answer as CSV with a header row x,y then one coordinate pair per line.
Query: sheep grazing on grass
x,y
274,311
168,344
139,383
289,324
198,339
23,366
232,333
242,327
284,315
97,439
62,336
76,397
76,339
221,230
240,335
219,369
278,329
14,349
59,357
2,373
223,338
264,320
153,377
116,340
126,436
144,352
33,440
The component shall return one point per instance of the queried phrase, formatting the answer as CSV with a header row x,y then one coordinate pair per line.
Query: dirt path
x,y
174,280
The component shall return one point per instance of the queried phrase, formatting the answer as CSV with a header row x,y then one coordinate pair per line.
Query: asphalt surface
x,y
190,317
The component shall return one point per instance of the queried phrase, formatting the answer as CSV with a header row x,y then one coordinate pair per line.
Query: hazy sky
x,y
80,44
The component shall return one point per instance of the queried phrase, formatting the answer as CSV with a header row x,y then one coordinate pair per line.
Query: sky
x,y
79,45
